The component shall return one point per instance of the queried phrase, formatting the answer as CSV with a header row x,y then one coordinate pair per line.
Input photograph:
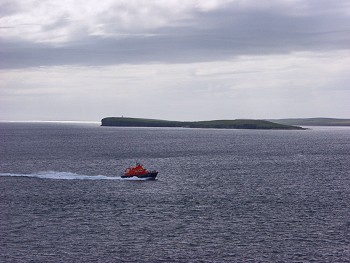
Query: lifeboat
x,y
140,172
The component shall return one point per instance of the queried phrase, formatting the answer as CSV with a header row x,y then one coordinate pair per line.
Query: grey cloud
x,y
8,7
208,36
59,23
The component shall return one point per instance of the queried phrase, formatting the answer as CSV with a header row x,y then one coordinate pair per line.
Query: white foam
x,y
69,176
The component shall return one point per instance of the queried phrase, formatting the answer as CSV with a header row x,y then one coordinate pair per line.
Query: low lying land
x,y
216,124
314,122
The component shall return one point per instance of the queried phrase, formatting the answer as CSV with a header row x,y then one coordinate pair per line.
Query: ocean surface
x,y
220,196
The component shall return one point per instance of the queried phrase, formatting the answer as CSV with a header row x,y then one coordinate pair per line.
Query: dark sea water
x,y
221,195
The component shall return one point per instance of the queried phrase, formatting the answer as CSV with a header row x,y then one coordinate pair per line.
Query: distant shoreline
x,y
335,122
215,124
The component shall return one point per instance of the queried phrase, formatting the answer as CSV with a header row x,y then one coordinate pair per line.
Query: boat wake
x,y
70,176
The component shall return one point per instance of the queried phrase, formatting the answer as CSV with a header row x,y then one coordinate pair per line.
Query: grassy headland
x,y
216,124
314,121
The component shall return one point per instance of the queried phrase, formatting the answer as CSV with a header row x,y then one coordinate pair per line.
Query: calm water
x,y
221,195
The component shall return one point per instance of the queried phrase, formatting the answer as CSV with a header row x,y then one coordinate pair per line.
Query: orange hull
x,y
140,172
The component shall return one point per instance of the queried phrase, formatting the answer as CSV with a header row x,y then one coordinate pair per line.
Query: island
x,y
313,121
215,124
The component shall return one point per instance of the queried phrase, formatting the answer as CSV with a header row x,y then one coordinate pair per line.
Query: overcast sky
x,y
174,59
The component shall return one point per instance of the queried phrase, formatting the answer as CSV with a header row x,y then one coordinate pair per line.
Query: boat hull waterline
x,y
149,176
